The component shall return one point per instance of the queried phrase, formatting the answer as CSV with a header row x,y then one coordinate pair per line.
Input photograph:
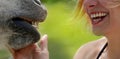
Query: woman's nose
x,y
91,4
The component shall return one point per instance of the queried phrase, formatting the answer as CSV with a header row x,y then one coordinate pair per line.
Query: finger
x,y
44,42
23,53
40,54
41,51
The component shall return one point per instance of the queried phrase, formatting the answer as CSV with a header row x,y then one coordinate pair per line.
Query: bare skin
x,y
105,19
33,51
90,50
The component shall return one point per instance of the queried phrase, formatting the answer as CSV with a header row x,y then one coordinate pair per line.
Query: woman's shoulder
x,y
91,49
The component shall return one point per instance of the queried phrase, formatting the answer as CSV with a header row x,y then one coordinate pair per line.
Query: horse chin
x,y
24,34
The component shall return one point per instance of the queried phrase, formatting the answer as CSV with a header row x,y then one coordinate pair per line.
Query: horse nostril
x,y
37,2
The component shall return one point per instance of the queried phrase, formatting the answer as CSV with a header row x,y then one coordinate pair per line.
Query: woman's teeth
x,y
97,17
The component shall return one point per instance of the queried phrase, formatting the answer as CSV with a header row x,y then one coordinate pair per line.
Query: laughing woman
x,y
105,19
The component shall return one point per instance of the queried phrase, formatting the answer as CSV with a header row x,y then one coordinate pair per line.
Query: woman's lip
x,y
97,16
97,21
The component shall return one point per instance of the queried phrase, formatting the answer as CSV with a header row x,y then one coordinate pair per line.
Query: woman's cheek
x,y
110,3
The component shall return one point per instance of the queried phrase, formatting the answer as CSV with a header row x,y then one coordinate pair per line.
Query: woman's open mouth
x,y
98,17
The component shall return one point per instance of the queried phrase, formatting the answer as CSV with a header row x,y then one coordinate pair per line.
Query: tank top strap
x,y
102,50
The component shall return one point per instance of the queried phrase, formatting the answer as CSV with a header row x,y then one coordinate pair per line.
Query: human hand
x,y
33,51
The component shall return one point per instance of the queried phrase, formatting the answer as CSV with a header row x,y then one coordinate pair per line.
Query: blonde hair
x,y
79,11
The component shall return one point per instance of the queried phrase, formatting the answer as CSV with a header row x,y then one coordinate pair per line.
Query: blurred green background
x,y
65,34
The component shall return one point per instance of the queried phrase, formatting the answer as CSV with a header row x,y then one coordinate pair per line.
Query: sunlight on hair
x,y
79,12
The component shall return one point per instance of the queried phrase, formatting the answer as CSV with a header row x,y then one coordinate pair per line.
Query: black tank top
x,y
100,53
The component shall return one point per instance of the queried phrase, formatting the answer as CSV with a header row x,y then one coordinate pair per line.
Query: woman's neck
x,y
113,49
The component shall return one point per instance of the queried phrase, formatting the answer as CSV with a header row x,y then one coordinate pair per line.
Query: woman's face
x,y
104,15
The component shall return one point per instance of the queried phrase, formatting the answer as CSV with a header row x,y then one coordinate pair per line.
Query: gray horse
x,y
18,21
